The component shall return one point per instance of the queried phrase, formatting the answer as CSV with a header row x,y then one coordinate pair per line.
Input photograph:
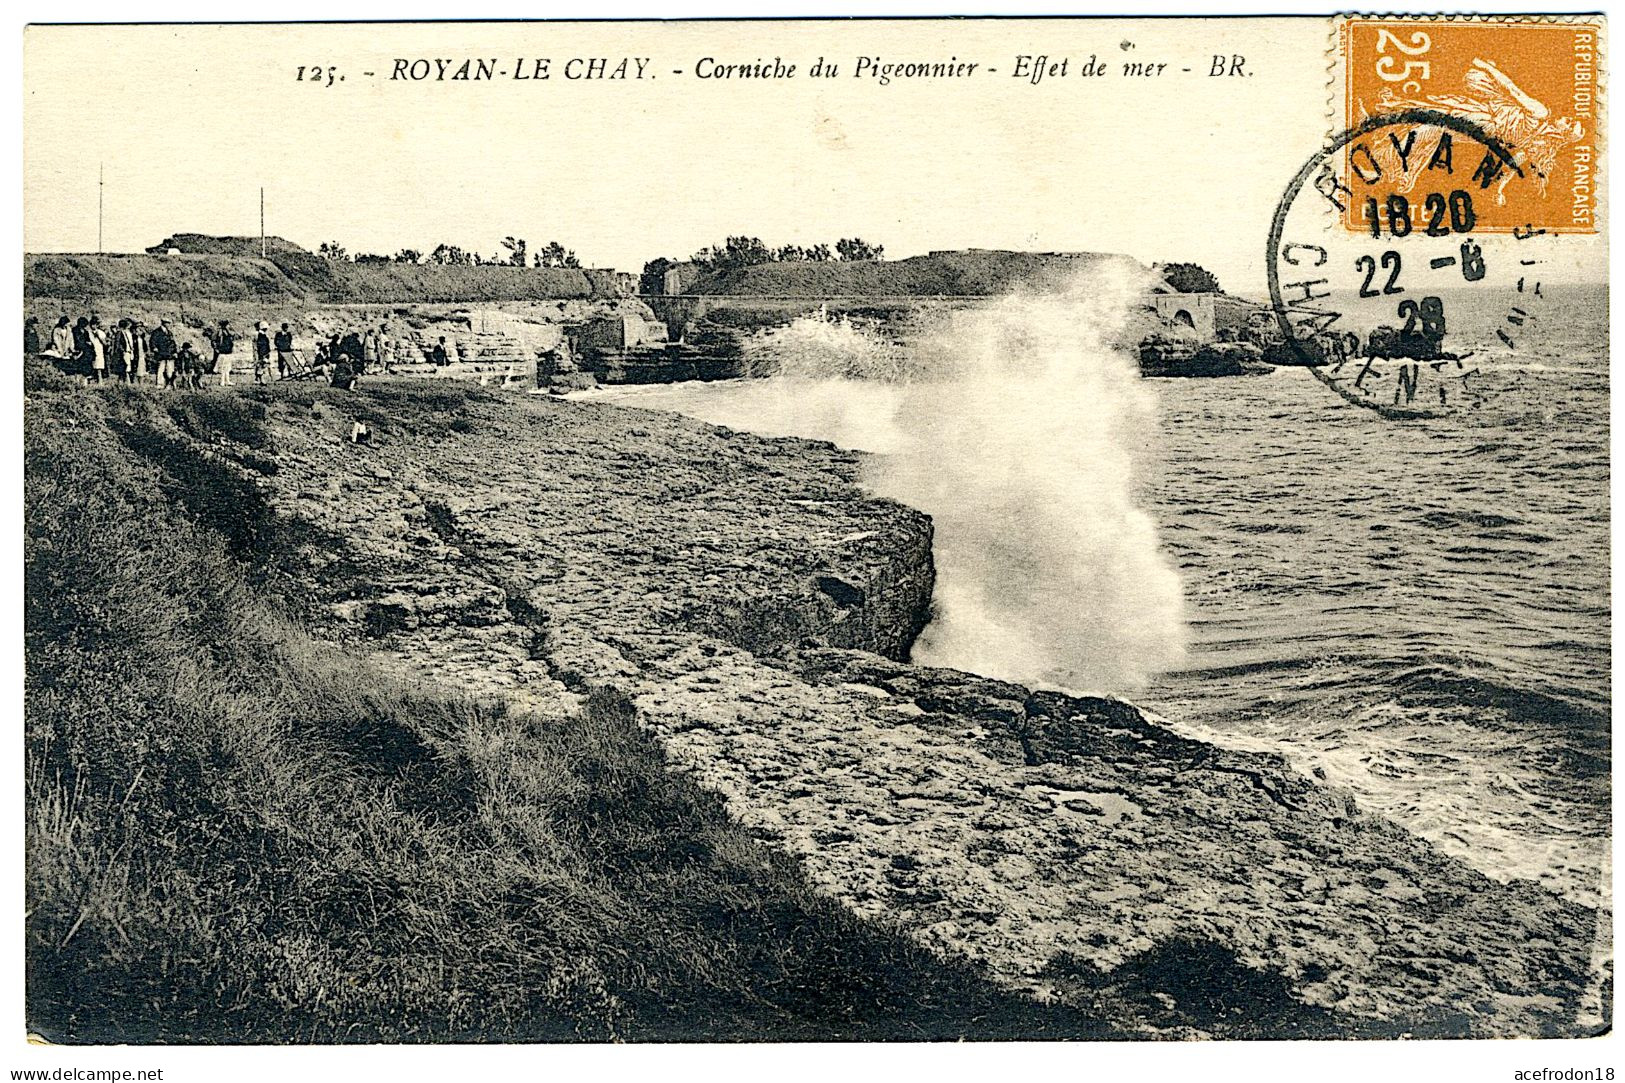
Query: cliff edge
x,y
758,606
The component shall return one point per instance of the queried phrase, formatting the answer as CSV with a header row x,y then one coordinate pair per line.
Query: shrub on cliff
x,y
1189,278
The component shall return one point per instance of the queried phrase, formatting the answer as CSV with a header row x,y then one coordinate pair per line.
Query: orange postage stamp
x,y
1529,84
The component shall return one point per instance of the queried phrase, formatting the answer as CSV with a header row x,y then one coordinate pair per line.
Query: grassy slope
x,y
237,833
294,276
969,274
90,278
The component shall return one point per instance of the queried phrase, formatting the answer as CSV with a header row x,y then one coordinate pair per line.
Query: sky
x,y
190,121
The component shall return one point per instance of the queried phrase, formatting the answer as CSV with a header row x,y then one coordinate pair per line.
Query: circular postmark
x,y
1392,263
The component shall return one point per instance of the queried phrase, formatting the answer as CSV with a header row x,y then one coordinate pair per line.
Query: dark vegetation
x,y
744,251
238,833
652,280
1189,278
737,253
514,254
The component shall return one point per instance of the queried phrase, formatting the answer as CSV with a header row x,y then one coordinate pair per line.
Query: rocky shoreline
x,y
759,606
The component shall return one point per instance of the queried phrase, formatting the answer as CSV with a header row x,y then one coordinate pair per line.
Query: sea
x,y
1415,610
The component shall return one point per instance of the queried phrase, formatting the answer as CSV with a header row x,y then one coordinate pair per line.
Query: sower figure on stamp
x,y
1498,105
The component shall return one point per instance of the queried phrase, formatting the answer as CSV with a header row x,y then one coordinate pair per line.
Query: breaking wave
x,y
1018,428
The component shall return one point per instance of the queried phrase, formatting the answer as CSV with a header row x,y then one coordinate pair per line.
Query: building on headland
x,y
1204,317
1188,313
1202,334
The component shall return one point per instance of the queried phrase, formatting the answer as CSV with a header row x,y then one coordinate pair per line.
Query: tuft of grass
x,y
238,833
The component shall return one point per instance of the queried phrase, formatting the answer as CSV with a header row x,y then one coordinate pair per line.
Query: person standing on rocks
x,y
189,367
132,353
370,356
162,346
262,353
350,346
96,349
124,357
224,344
386,348
141,342
287,361
444,352
344,374
115,352
81,341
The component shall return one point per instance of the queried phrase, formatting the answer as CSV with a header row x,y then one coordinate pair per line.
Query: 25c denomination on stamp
x,y
1530,83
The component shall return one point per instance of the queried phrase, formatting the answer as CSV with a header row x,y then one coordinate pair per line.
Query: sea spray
x,y
1021,436
817,349
830,379
1299,653
1019,429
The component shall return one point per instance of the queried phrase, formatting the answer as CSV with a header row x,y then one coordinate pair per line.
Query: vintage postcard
x,y
867,530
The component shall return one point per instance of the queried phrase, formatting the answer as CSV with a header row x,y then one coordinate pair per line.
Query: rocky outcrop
x,y
1169,356
759,606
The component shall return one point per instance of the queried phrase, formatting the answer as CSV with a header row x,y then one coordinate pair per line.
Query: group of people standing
x,y
130,352
361,352
127,351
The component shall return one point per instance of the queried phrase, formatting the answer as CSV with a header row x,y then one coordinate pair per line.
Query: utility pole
x,y
262,221
101,180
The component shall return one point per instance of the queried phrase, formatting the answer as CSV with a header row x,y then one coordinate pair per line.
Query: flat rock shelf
x,y
759,606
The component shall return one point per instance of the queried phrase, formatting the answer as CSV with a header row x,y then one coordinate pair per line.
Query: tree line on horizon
x,y
738,252
735,253
517,254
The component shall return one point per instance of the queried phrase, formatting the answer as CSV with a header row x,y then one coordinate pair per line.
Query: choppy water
x,y
1419,610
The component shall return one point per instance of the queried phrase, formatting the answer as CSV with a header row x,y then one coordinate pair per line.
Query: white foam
x,y
1020,431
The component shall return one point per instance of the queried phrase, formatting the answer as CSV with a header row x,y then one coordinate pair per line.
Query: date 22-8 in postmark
x,y
1468,151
